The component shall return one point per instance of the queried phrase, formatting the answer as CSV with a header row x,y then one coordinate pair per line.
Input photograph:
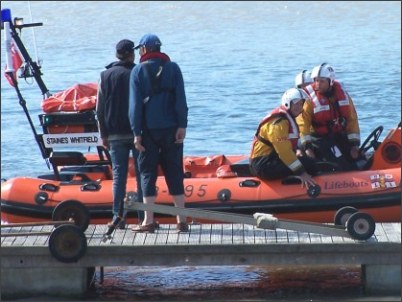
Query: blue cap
x,y
149,41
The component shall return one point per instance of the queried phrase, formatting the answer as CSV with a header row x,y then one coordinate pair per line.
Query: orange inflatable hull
x,y
375,192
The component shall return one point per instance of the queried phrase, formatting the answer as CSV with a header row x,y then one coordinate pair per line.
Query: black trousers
x,y
272,167
334,148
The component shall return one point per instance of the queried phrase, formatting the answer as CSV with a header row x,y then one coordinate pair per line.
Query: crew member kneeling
x,y
273,153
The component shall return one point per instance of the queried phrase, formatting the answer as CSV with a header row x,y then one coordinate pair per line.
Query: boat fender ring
x,y
249,183
224,195
360,226
49,187
41,198
314,191
72,209
67,243
343,214
90,187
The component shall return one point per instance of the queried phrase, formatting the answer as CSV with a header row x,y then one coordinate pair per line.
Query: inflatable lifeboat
x,y
221,183
81,185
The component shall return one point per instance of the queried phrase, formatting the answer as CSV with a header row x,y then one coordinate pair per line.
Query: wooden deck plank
x,y
205,235
315,238
195,234
10,240
281,236
304,237
393,232
44,240
259,236
249,234
293,236
139,238
89,232
172,235
31,239
327,239
380,234
216,234
97,236
20,240
183,237
238,233
118,236
337,239
162,235
227,233
270,236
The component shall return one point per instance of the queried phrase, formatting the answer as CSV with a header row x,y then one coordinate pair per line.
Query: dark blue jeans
x,y
119,153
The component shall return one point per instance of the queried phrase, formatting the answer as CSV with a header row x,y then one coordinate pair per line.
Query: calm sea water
x,y
237,59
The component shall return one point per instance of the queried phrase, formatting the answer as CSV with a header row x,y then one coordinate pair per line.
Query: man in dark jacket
x,y
114,124
158,116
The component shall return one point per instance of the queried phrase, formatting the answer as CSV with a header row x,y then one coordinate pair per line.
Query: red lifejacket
x,y
293,128
326,117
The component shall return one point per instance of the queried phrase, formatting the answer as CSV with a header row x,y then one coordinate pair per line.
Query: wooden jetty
x,y
28,267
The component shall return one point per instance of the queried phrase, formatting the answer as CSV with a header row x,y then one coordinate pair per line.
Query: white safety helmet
x,y
303,78
323,71
293,95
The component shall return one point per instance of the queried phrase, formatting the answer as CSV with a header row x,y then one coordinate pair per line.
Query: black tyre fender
x,y
360,226
67,243
343,214
72,209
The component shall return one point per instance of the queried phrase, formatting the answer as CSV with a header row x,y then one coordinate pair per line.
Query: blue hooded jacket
x,y
161,109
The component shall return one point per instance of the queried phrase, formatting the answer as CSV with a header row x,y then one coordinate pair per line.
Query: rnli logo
x,y
382,181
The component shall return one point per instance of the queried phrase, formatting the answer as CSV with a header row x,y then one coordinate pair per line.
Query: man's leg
x,y
179,201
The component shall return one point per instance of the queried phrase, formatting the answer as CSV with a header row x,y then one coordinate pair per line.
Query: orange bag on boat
x,y
79,97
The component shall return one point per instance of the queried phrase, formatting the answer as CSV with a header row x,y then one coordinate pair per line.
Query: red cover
x,y
79,97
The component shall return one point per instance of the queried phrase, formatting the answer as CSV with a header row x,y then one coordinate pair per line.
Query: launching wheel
x,y
360,226
67,243
72,209
343,214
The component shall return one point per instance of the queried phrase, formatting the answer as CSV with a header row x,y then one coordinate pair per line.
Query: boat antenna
x,y
33,34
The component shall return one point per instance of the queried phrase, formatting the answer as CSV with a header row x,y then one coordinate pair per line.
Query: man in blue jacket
x,y
114,125
158,116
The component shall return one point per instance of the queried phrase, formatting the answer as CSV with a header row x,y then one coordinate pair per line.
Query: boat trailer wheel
x,y
67,243
360,226
343,214
72,209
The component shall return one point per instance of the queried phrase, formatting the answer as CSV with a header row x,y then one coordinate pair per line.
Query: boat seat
x,y
74,158
242,168
237,169
68,158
